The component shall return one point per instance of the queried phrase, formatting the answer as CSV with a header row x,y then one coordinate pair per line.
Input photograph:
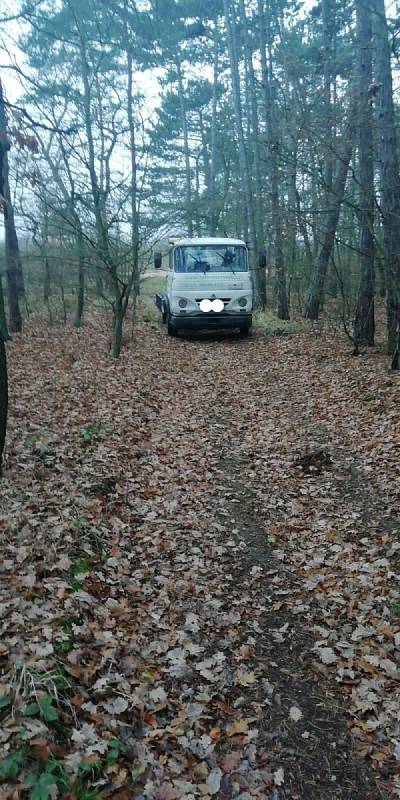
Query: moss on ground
x,y
268,324
147,309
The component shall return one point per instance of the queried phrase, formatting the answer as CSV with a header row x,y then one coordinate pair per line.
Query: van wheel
x,y
245,330
172,331
164,314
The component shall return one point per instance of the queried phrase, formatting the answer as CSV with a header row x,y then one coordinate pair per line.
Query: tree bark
x,y
13,260
364,326
81,281
3,320
188,176
389,175
272,161
120,290
133,155
315,292
255,145
213,165
243,159
292,194
328,23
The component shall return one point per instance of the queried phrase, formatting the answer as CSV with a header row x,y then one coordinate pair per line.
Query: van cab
x,y
208,287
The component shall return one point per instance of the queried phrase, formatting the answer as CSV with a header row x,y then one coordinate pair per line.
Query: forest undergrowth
x,y
200,568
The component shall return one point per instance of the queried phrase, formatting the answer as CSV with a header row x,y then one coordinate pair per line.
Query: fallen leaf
x,y
279,777
327,655
295,713
239,726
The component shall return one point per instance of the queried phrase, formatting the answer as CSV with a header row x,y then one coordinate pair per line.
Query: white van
x,y
209,286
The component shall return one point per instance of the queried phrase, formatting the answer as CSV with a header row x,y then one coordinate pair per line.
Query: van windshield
x,y
210,258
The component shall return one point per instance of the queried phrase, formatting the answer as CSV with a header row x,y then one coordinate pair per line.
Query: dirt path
x,y
316,753
233,622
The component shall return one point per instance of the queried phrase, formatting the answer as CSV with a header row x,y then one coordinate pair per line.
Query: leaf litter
x,y
174,580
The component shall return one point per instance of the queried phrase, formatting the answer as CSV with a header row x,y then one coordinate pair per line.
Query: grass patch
x,y
45,697
49,778
68,641
147,309
94,431
268,324
152,284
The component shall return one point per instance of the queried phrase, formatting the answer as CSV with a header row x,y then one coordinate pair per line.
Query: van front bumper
x,y
209,320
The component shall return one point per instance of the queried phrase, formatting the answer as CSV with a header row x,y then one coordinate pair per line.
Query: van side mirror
x,y
157,260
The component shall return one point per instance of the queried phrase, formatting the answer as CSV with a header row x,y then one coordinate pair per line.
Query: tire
x,y
245,330
172,331
164,313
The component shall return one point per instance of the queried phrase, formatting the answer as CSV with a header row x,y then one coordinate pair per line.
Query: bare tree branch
x,y
40,125
25,11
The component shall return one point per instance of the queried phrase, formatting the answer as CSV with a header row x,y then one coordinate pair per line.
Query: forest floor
x,y
200,568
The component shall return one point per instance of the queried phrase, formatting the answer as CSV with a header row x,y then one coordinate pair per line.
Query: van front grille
x,y
225,300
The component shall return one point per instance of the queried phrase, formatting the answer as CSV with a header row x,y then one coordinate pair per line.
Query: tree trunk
x,y
255,144
132,142
205,154
3,320
291,225
119,288
302,225
188,178
13,260
213,166
81,282
315,292
243,160
117,329
47,286
364,326
98,206
328,22
389,174
273,169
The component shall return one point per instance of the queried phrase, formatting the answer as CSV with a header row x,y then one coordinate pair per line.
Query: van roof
x,y
211,240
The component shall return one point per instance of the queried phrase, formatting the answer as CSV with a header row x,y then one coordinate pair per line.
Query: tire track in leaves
x,y
320,744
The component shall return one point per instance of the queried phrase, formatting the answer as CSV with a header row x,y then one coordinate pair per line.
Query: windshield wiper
x,y
203,264
227,262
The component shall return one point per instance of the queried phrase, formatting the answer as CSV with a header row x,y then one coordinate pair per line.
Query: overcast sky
x,y
11,56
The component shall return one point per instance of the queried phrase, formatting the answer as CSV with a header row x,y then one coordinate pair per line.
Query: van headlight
x,y
242,301
182,302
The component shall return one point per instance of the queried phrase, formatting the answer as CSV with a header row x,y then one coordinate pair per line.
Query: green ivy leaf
x,y
47,710
115,749
44,707
42,787
31,710
4,701
10,766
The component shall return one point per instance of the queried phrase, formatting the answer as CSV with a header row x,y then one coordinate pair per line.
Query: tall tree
x,y
13,260
389,174
316,289
213,215
4,146
271,124
243,155
188,171
364,327
135,233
